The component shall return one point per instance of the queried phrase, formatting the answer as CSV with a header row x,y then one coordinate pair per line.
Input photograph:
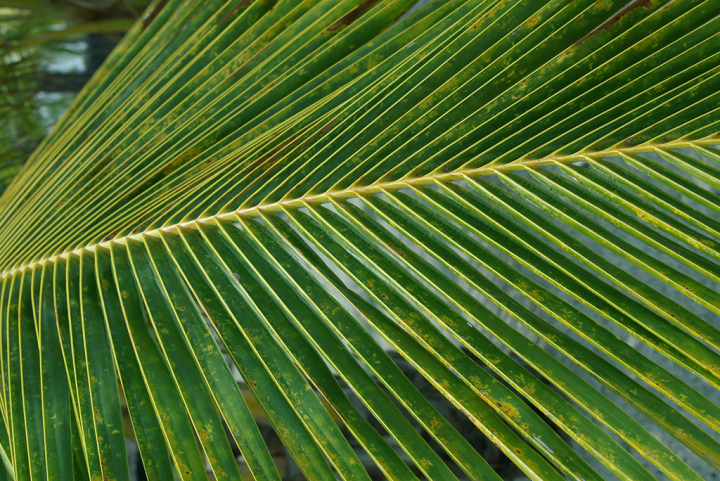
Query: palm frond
x,y
279,188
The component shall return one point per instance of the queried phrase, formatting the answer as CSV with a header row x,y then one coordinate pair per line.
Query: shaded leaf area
x,y
286,188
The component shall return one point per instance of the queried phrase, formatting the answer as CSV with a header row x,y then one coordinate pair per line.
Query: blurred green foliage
x,y
36,35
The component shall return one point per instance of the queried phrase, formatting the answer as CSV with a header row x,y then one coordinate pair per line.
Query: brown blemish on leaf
x,y
269,159
320,133
352,16
615,18
398,17
507,409
327,128
397,250
243,3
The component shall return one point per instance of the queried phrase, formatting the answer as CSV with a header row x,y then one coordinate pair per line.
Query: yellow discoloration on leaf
x,y
506,408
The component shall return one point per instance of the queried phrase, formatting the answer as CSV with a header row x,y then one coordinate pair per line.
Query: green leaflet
x,y
146,428
300,317
501,399
314,415
187,375
101,378
264,373
215,370
432,368
164,392
364,386
56,398
536,357
595,231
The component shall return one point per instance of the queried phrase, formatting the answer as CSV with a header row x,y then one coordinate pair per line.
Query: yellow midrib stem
x,y
371,189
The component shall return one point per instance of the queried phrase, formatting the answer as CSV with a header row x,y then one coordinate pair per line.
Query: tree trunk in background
x,y
98,48
64,82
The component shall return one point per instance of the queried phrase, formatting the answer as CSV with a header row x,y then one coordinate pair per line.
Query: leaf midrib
x,y
444,177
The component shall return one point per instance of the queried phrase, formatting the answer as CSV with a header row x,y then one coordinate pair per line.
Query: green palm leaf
x,y
254,205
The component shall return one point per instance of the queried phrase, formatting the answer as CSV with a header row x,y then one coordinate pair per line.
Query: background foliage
x,y
36,37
